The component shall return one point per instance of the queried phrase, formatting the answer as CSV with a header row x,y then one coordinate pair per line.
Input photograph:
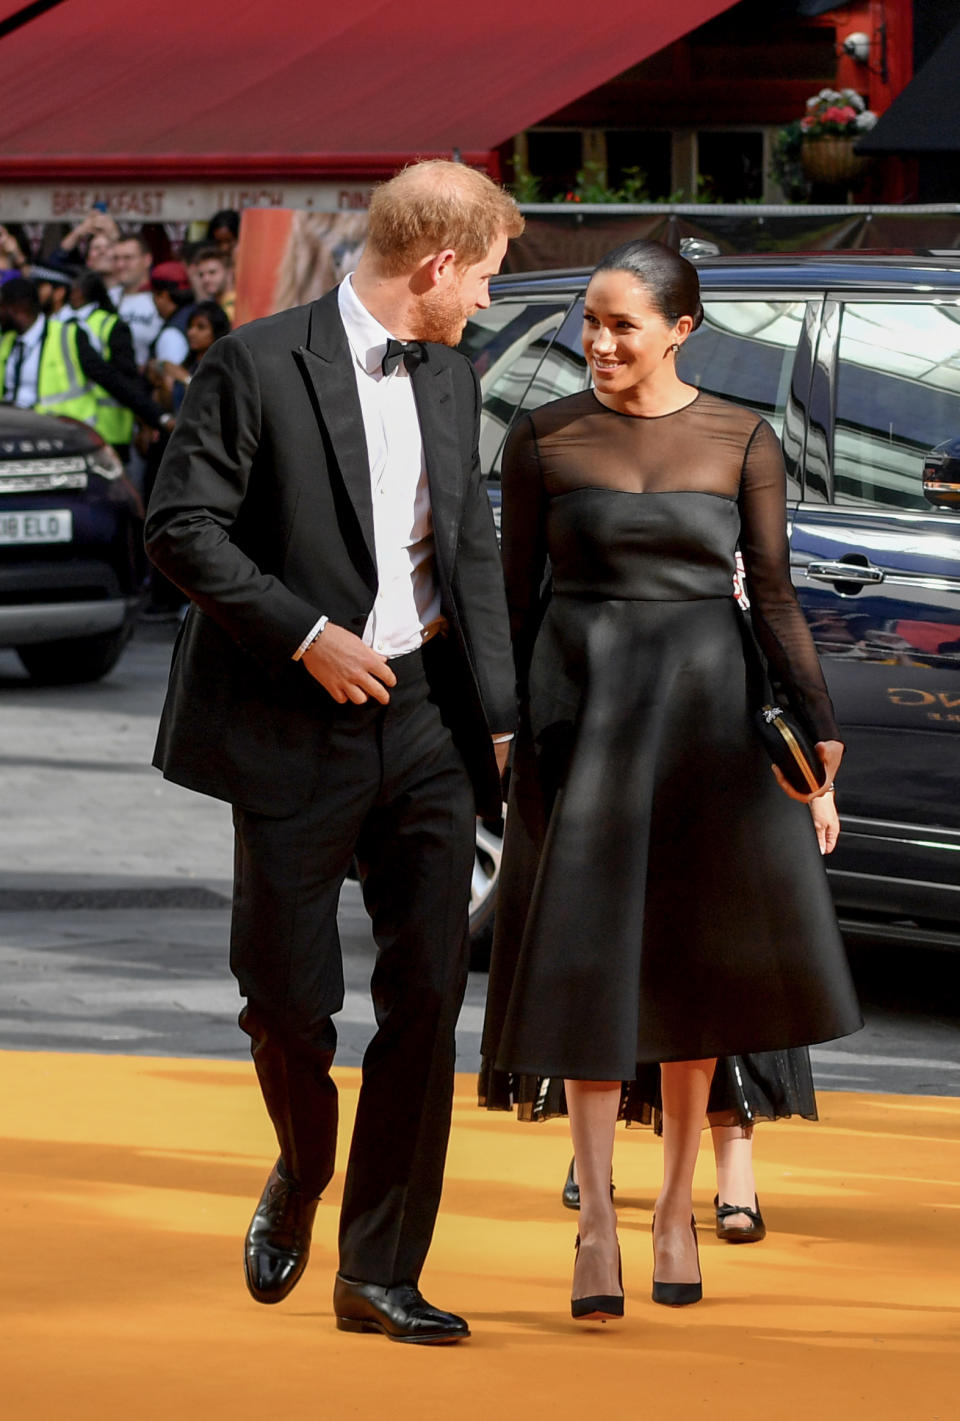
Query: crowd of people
x,y
101,332
142,326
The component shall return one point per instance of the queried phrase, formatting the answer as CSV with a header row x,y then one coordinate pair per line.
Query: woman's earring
x,y
675,348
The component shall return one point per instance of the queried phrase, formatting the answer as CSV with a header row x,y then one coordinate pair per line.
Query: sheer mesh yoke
x,y
577,445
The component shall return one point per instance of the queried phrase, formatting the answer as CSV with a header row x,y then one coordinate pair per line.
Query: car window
x,y
563,369
898,395
744,351
507,344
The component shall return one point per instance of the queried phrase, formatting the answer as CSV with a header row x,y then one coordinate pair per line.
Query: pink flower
x,y
807,122
838,115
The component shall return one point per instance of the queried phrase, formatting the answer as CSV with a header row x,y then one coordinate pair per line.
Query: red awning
x,y
106,88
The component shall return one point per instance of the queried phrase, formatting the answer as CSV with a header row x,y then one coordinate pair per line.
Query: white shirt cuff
x,y
502,739
311,636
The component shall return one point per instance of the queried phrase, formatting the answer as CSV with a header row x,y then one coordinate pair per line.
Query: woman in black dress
x,y
662,899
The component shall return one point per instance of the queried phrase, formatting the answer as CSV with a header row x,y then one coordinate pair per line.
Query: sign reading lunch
x,y
170,202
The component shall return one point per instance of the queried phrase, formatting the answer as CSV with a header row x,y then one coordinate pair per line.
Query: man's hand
x,y
10,247
347,668
501,748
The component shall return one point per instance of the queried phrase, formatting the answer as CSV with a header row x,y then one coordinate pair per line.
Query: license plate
x,y
54,525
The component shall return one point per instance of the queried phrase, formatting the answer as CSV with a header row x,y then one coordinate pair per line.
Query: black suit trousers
x,y
395,794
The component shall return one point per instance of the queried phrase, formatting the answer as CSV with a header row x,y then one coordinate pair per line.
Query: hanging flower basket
x,y
830,159
823,140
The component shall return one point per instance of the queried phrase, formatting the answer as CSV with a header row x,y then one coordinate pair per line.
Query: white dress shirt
x,y
23,392
408,595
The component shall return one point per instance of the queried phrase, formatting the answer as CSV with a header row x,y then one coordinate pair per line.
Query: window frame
x,y
827,374
501,363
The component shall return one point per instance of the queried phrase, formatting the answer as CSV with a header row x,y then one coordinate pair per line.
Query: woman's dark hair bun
x,y
671,280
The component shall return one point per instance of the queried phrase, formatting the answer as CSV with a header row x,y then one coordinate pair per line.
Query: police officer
x,y
52,366
90,305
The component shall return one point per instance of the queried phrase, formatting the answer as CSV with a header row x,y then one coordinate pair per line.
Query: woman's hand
x,y
826,821
174,374
831,753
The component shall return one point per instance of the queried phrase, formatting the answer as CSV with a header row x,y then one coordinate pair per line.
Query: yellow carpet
x,y
127,1184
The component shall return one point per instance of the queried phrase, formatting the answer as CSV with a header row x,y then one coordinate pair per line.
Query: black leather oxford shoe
x,y
278,1239
400,1313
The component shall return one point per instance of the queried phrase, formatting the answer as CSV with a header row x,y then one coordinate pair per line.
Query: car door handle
x,y
843,572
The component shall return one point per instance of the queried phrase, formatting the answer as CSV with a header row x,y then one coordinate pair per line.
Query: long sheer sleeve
x,y
523,540
778,621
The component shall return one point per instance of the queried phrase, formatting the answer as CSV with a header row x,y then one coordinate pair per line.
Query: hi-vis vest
x,y
62,387
114,422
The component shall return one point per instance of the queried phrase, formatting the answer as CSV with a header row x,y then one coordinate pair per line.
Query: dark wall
x,y
939,174
932,21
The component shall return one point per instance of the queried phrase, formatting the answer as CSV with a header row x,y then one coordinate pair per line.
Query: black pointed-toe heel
x,y
677,1295
756,1231
571,1189
599,1306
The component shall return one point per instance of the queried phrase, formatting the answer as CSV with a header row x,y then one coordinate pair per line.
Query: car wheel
x,y
65,663
483,891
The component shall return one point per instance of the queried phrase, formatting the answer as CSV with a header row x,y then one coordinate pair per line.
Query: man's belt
x,y
438,627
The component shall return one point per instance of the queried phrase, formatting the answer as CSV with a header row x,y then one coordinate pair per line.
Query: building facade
x,y
699,120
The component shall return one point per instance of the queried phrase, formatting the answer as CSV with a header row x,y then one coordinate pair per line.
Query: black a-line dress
x,y
661,898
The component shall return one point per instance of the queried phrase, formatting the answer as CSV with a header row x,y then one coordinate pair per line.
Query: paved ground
x,y
114,889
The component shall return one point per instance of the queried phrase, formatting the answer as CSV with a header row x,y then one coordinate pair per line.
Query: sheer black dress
x,y
660,898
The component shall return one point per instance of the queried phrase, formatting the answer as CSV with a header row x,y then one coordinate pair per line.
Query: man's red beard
x,y
441,317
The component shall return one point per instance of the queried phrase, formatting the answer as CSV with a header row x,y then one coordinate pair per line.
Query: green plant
x,y
591,185
525,187
785,166
705,192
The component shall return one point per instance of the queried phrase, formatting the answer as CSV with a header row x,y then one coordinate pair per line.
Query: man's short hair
x,y
210,254
140,240
437,206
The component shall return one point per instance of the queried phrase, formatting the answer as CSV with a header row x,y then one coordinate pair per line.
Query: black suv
x,y
855,361
72,564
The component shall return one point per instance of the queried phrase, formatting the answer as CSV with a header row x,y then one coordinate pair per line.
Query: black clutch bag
x,y
784,738
790,748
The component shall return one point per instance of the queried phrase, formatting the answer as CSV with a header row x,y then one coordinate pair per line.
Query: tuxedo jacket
x,y
262,514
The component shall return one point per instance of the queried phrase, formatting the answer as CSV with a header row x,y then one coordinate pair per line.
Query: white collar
x,y
33,335
83,313
368,339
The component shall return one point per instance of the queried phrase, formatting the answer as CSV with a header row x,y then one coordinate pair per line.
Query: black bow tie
x,y
411,352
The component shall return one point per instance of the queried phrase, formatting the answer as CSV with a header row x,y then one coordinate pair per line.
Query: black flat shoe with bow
x,y
739,1233
400,1312
278,1240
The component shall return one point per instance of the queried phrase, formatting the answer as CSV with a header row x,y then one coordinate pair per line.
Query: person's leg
x,y
593,1107
416,855
685,1089
285,952
285,948
733,1151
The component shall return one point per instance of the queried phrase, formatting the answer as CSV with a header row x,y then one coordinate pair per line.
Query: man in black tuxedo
x,y
344,679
